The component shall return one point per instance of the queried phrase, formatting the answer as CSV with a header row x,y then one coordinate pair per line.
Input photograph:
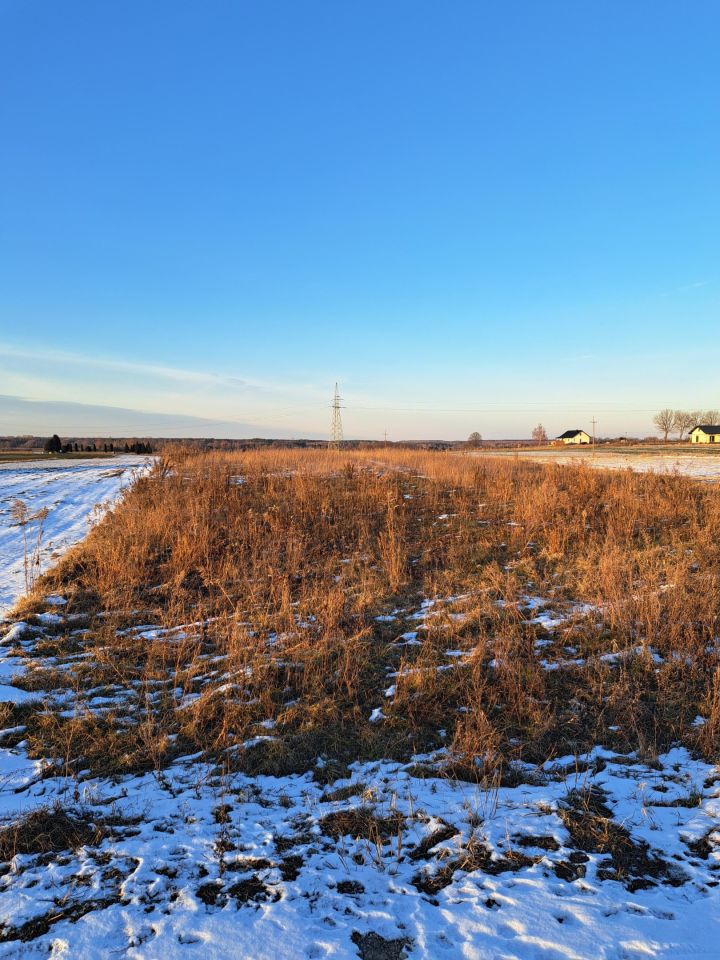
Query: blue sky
x,y
472,215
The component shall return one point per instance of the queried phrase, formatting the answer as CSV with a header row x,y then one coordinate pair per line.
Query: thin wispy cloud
x,y
148,369
688,286
20,416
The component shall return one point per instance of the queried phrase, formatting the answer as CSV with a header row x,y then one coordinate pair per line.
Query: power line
x,y
538,408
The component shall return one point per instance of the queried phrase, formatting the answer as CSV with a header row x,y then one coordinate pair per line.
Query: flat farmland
x,y
685,461
285,705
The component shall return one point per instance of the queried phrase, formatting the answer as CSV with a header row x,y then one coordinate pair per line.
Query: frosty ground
x,y
685,462
72,491
392,860
600,854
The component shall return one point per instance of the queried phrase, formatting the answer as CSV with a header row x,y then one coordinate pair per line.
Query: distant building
x,y
574,436
705,433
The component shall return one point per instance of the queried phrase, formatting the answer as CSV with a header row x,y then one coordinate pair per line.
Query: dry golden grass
x,y
284,559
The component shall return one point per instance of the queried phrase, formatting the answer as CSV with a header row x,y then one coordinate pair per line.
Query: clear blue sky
x,y
474,215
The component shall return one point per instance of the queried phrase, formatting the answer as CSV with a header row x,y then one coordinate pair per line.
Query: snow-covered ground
x,y
196,865
594,857
73,492
702,466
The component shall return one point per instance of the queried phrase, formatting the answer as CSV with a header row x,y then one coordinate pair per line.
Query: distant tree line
x,y
670,421
55,445
138,447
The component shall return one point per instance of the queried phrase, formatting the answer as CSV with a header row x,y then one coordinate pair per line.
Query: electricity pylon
x,y
336,430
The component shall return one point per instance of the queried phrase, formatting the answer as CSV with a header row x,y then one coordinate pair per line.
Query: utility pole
x,y
386,438
594,421
336,430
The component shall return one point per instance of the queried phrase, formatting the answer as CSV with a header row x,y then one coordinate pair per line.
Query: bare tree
x,y
665,422
539,434
475,439
684,420
710,416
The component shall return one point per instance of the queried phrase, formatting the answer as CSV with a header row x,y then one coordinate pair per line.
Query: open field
x,y
37,456
19,456
292,704
69,492
702,464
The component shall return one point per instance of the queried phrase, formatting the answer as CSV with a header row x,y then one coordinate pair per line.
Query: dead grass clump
x,y
343,793
362,823
49,830
109,743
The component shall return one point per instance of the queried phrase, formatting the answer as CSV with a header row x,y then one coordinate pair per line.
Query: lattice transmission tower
x,y
336,430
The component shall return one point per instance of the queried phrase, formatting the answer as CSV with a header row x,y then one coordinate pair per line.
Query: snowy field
x,y
438,869
595,857
701,466
74,493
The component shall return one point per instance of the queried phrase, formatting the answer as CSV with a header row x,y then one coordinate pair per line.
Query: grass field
x,y
22,456
416,693
314,549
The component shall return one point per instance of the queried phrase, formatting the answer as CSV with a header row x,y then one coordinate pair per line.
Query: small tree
x,y
665,422
539,434
54,444
474,440
684,420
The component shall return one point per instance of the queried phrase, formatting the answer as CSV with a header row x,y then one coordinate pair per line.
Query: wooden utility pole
x,y
594,421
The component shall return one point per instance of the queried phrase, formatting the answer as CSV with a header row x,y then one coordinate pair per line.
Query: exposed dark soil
x,y
371,946
475,857
592,829
422,850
